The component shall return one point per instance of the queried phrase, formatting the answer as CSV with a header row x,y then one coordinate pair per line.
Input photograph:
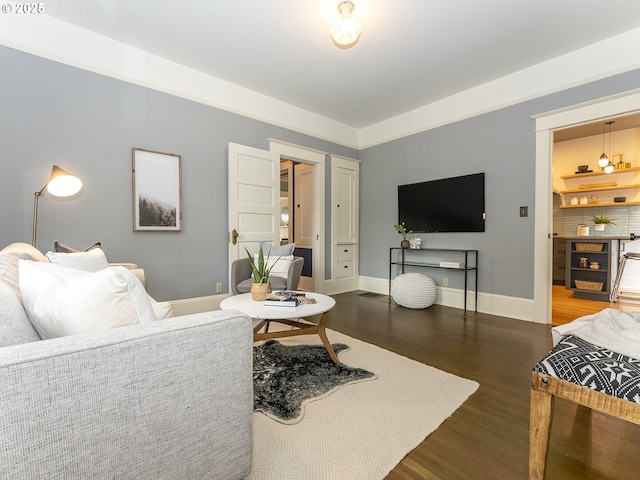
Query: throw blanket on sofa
x,y
610,328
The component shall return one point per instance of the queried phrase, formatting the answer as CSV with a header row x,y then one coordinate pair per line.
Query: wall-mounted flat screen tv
x,y
446,205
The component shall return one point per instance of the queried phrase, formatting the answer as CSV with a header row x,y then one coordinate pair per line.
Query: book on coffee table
x,y
286,299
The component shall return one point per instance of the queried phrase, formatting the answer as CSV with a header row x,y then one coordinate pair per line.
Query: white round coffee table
x,y
286,315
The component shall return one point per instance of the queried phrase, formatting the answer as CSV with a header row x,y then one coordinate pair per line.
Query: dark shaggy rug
x,y
286,378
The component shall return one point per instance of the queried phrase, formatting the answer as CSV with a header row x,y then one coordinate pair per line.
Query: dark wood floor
x,y
487,437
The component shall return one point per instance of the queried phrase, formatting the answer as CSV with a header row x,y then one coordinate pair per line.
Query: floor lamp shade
x,y
60,184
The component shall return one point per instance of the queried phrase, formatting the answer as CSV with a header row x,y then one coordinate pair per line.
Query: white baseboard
x,y
501,305
188,306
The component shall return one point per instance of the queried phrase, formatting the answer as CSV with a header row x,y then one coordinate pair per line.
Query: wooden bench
x,y
565,372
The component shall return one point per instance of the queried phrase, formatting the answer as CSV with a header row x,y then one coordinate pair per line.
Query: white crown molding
x,y
609,57
63,42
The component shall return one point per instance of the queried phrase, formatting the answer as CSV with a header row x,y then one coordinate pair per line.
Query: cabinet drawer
x,y
345,252
345,269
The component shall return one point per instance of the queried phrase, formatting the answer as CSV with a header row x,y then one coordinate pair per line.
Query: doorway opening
x,y
574,209
547,124
297,214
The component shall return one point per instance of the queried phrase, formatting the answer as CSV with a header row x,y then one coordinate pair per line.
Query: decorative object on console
x,y
415,243
157,191
346,31
61,184
402,229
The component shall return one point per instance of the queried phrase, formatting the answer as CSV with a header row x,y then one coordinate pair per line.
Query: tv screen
x,y
447,205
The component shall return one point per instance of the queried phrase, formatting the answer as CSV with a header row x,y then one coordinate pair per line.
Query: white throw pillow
x,y
66,301
281,267
162,310
272,251
90,261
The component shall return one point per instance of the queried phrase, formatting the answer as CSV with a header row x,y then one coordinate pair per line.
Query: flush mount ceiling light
x,y
346,31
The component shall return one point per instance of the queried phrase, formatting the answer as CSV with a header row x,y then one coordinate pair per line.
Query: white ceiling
x,y
411,53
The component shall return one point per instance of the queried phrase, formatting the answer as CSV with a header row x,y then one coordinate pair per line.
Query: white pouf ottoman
x,y
413,290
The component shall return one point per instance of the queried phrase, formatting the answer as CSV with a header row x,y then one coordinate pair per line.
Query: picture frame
x,y
157,191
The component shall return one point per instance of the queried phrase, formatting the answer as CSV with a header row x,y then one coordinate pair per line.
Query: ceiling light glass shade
x,y
346,31
608,168
604,160
62,183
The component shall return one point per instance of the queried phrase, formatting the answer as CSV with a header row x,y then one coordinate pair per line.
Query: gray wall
x,y
501,144
86,123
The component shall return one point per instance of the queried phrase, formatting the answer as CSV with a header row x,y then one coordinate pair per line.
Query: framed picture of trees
x,y
157,191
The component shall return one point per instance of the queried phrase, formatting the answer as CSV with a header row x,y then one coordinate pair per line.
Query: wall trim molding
x,y
188,306
63,42
500,305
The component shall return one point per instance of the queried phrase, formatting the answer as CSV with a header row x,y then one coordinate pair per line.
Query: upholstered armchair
x,y
241,279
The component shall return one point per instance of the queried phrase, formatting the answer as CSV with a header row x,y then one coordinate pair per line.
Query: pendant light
x,y
604,162
346,31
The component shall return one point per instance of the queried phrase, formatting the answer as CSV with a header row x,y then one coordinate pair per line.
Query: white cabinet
x,y
345,177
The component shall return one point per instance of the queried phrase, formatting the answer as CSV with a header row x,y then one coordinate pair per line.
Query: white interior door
x,y
304,221
304,202
254,199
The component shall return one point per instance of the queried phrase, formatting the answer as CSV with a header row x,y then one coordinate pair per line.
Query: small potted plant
x,y
402,229
601,222
260,287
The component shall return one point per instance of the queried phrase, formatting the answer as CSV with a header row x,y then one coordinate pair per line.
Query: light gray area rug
x,y
361,431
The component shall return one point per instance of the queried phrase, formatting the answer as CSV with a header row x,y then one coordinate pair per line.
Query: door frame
x,y
625,103
299,153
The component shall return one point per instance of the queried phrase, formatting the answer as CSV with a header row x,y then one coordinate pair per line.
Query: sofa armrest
x,y
135,269
166,399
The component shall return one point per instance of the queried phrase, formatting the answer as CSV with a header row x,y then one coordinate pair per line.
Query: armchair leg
x,y
539,427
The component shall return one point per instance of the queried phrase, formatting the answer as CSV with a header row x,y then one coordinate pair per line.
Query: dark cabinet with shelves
x,y
559,261
582,277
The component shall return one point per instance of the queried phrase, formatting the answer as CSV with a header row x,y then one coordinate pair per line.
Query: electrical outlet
x,y
219,287
445,282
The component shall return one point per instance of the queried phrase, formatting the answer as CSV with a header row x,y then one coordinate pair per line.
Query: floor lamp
x,y
60,184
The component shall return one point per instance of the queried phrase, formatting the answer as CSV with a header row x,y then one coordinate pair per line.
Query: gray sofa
x,y
169,399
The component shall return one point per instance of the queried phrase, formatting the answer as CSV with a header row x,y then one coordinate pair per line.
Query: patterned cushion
x,y
578,361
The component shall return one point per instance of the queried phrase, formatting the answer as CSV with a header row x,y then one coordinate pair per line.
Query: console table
x,y
465,257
